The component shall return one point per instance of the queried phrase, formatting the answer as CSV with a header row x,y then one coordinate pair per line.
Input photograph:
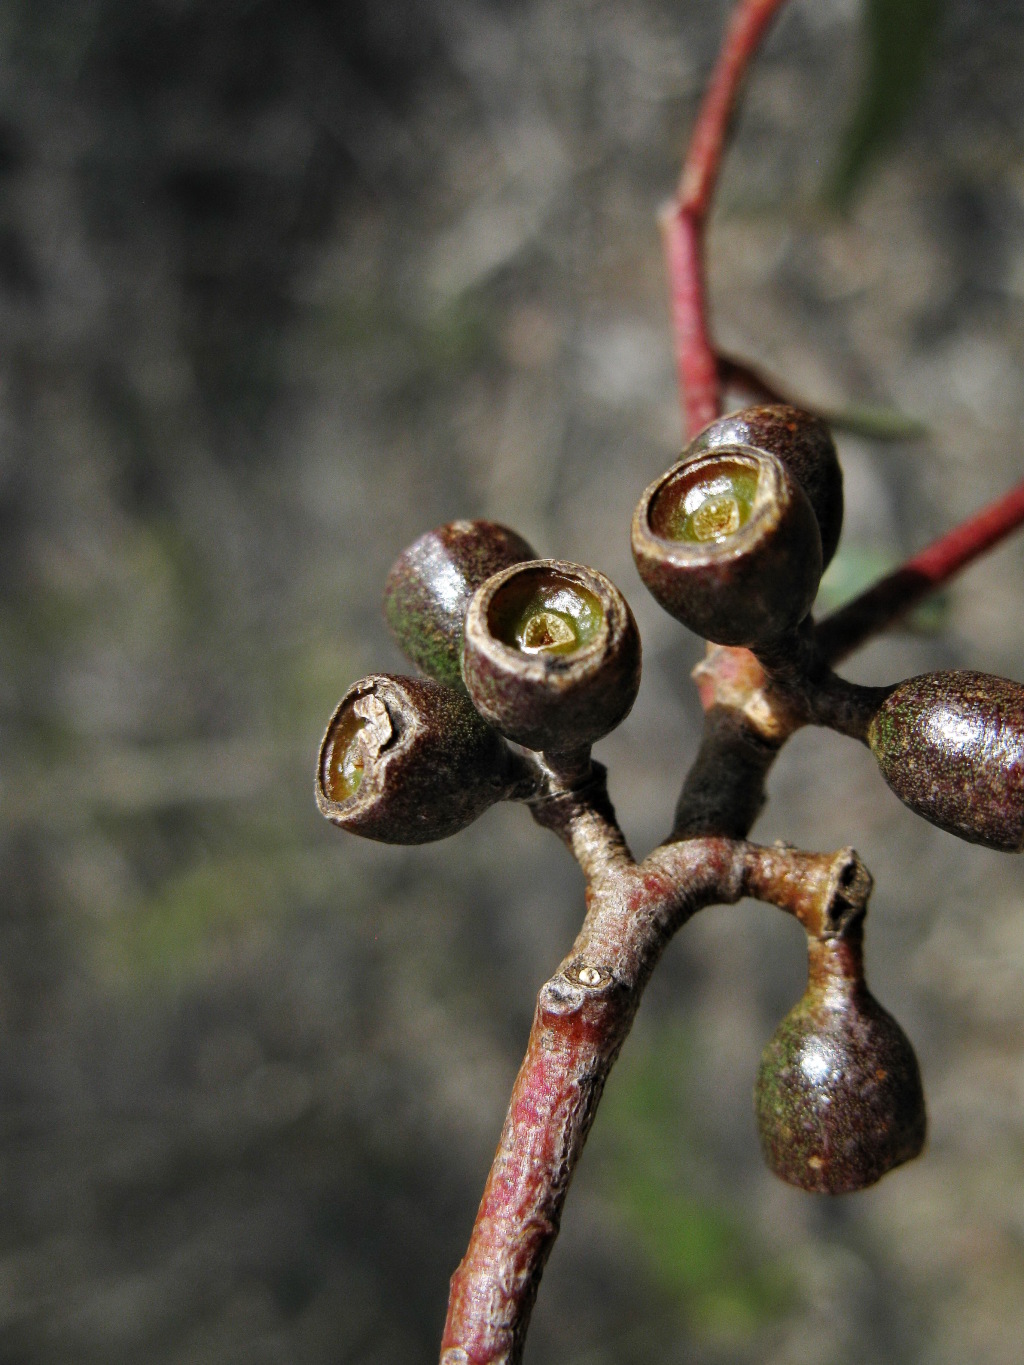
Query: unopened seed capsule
x,y
838,1097
951,746
430,583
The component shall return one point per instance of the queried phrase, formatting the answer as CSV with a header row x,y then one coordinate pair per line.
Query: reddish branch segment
x,y
583,1015
682,222
841,633
743,37
683,240
582,1018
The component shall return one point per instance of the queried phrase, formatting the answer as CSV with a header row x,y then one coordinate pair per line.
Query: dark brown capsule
x,y
551,654
838,1097
407,761
430,584
804,445
728,544
951,746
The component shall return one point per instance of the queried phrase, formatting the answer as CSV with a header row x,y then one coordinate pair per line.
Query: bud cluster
x,y
732,542
521,653
525,662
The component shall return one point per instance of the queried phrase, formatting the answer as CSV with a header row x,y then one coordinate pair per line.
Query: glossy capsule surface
x,y
951,746
838,1098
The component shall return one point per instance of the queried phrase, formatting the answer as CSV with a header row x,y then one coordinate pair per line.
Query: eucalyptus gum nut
x,y
757,572
951,747
838,1097
804,445
430,583
427,764
551,654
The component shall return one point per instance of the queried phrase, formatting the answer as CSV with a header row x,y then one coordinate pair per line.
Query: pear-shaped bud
x,y
729,545
838,1097
430,584
551,654
951,746
408,760
804,445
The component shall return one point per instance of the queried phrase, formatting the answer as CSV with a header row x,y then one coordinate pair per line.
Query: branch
x,y
682,222
584,819
752,705
582,1018
724,790
891,597
825,891
683,242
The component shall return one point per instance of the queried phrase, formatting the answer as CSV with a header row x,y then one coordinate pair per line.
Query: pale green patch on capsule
x,y
345,758
558,618
713,508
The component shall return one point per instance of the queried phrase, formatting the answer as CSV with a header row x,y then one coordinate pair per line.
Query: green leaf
x,y
899,36
703,1253
857,567
875,422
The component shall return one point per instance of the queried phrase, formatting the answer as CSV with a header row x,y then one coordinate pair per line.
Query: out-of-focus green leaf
x,y
702,1252
899,37
856,568
875,422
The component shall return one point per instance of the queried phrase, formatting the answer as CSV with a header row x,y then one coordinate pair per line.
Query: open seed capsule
x,y
951,746
430,583
804,445
729,545
838,1097
407,761
551,654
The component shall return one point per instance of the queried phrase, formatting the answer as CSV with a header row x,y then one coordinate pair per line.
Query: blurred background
x,y
284,283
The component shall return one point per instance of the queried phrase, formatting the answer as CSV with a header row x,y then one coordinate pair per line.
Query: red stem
x,y
746,29
682,223
891,597
683,240
583,1015
582,1018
